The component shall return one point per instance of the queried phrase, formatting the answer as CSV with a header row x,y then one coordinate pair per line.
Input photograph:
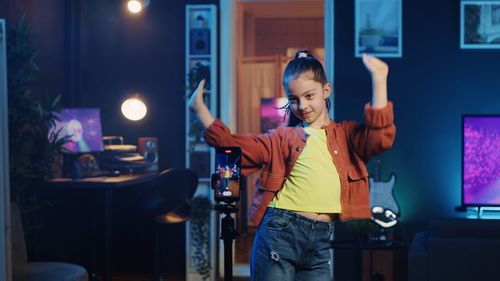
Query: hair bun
x,y
304,53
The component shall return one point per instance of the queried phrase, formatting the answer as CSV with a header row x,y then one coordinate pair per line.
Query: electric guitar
x,y
385,209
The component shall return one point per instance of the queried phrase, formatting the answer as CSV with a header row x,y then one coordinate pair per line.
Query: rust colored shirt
x,y
350,143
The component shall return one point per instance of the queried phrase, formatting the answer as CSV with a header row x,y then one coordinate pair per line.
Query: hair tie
x,y
302,55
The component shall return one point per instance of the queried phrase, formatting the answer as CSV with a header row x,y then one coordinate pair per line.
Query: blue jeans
x,y
288,246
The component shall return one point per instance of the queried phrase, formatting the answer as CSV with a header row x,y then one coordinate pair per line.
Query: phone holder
x,y
220,188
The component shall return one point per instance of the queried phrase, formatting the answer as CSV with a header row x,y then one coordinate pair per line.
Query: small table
x,y
367,244
108,185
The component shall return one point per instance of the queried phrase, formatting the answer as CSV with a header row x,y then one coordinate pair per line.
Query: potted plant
x,y
33,152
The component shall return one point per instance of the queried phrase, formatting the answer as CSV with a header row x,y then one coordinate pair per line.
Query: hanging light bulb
x,y
134,6
134,109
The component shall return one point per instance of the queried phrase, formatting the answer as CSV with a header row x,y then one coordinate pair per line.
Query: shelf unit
x,y
201,63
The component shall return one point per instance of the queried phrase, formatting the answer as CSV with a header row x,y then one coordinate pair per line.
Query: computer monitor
x,y
272,113
481,160
83,127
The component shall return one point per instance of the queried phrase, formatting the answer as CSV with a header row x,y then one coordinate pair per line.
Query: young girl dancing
x,y
313,170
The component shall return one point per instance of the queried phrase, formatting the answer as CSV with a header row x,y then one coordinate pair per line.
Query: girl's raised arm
x,y
379,71
197,104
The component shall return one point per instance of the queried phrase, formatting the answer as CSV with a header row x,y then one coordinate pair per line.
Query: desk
x,y
108,185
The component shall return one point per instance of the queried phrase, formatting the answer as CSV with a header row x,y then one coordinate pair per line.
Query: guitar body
x,y
385,209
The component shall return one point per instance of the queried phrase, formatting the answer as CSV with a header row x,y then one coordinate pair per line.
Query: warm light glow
x,y
134,6
134,109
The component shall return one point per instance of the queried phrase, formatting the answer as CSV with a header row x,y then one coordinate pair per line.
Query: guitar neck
x,y
377,170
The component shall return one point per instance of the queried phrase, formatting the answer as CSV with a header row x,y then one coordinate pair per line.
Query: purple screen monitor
x,y
481,160
83,126
271,116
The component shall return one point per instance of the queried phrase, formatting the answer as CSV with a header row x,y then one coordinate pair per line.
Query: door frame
x,y
228,57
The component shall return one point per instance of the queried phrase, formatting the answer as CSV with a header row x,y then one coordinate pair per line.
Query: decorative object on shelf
x,y
196,73
199,34
378,28
480,24
199,233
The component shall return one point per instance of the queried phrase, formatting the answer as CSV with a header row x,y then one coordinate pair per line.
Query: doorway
x,y
268,33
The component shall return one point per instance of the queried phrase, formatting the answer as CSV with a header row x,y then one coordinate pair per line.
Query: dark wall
x,y
432,85
46,20
95,54
124,54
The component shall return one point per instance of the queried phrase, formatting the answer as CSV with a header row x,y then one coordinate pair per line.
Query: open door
x,y
258,38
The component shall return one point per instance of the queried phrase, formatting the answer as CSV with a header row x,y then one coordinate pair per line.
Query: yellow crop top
x,y
313,184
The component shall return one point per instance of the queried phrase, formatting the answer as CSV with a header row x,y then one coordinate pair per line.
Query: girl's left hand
x,y
376,67
196,100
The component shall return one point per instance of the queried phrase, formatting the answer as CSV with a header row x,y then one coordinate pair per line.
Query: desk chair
x,y
166,201
22,270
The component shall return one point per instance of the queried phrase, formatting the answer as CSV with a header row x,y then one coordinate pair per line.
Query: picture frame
x,y
480,24
378,28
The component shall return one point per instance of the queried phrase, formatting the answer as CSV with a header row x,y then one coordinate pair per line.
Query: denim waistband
x,y
292,216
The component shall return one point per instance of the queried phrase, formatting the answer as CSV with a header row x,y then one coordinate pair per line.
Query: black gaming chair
x,y
166,200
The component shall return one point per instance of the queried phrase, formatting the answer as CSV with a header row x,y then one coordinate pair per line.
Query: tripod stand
x,y
228,234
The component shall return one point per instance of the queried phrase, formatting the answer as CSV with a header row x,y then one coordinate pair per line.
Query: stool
x,y
166,201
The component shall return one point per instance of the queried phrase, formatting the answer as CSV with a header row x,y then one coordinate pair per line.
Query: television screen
x,y
83,127
271,113
481,160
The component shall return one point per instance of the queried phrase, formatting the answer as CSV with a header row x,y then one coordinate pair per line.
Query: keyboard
x,y
96,174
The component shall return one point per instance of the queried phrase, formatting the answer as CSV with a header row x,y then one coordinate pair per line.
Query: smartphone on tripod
x,y
226,179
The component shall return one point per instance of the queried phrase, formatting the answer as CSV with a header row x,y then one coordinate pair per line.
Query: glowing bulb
x,y
134,6
134,109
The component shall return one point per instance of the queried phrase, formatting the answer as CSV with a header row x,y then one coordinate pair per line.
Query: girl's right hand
x,y
196,100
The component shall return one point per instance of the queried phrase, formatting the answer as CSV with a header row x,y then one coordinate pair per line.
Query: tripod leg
x,y
228,259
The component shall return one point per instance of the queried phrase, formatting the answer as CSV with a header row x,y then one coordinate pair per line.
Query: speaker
x,y
199,41
148,147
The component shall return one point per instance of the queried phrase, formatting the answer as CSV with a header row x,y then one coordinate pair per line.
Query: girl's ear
x,y
327,89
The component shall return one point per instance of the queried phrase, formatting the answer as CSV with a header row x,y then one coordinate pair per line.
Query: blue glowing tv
x,y
481,160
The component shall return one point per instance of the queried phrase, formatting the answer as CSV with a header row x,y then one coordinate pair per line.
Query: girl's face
x,y
307,100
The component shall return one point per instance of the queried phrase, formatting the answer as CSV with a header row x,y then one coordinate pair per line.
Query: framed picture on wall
x,y
378,28
480,24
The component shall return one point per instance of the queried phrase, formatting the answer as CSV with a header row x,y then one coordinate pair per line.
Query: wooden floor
x,y
164,278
